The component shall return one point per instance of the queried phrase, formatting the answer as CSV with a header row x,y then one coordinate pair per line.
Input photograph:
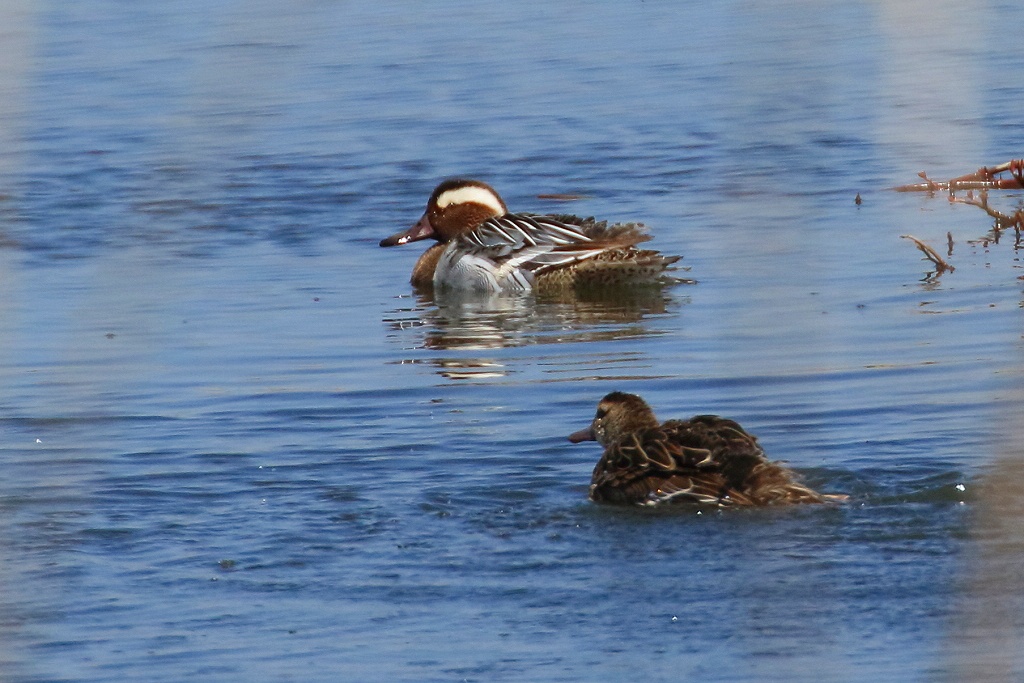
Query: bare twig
x,y
930,254
1002,220
985,178
976,187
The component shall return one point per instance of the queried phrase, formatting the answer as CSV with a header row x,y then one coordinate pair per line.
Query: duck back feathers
x,y
706,460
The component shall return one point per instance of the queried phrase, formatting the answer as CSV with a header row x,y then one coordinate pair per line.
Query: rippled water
x,y
236,445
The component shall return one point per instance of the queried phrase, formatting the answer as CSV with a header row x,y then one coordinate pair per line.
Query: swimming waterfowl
x,y
481,246
707,460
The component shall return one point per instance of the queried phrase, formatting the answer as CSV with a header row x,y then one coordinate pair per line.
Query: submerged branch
x,y
940,265
1002,220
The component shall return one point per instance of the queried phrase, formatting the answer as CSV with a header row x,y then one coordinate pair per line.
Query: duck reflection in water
x,y
471,321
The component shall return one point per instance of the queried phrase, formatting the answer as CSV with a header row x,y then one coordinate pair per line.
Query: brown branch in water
x,y
932,255
985,178
1002,220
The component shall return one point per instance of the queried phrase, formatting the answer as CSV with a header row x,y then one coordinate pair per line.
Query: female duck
x,y
707,460
484,247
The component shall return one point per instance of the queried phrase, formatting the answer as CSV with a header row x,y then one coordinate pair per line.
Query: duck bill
x,y
583,435
421,231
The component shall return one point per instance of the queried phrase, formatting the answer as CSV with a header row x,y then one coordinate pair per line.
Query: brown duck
x,y
707,460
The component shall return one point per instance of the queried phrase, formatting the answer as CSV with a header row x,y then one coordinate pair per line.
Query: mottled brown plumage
x,y
707,460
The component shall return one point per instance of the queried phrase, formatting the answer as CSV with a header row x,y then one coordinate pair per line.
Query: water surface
x,y
237,445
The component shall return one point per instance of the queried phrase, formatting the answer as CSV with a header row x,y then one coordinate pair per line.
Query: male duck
x,y
707,460
484,247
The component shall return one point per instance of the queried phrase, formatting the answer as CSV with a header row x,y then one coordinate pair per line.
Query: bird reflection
x,y
468,321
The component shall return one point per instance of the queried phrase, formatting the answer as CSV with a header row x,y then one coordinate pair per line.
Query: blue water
x,y
236,445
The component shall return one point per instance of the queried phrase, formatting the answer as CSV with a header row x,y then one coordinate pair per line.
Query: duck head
x,y
457,206
618,414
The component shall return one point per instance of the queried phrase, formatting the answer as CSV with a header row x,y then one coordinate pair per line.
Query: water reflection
x,y
462,320
466,321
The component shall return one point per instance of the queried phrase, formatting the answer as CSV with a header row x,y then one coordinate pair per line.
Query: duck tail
x,y
629,266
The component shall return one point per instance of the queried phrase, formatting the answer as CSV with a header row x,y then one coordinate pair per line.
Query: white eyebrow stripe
x,y
471,194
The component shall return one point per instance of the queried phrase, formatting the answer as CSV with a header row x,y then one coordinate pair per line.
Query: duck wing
x,y
749,477
526,230
655,466
707,460
539,243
